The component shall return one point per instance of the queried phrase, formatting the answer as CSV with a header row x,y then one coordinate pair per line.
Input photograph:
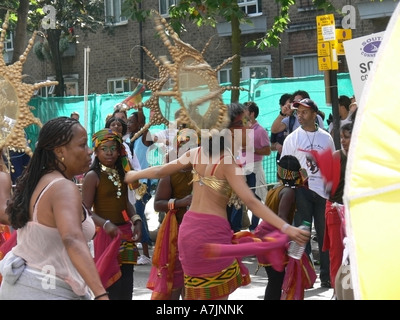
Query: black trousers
x,y
123,288
274,287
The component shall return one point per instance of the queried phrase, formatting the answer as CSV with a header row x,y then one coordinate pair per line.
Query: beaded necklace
x,y
314,134
113,175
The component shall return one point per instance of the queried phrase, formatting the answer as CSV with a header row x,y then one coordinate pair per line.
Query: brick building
x,y
115,57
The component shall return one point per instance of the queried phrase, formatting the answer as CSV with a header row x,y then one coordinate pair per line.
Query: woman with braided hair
x,y
5,190
51,259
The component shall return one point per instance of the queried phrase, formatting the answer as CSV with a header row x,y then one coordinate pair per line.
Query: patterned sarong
x,y
215,286
109,253
166,272
196,231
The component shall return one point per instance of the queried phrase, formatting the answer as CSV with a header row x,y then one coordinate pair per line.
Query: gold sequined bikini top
x,y
220,185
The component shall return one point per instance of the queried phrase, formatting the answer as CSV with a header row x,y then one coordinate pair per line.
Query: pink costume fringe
x,y
299,275
270,248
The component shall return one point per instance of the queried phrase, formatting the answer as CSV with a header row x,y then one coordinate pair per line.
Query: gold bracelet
x,y
171,204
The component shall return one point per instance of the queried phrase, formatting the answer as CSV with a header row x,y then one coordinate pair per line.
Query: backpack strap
x,y
292,119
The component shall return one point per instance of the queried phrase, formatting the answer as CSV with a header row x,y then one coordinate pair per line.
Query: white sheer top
x,y
42,248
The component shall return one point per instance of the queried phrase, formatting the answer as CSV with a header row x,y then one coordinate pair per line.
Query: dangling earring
x,y
62,159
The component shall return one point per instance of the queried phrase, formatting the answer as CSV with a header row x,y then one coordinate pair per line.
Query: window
x,y
305,5
113,12
306,65
70,84
8,42
224,75
165,4
8,47
45,91
253,67
71,88
119,85
256,72
250,7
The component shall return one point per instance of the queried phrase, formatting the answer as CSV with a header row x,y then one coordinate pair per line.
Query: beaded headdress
x,y
105,135
292,178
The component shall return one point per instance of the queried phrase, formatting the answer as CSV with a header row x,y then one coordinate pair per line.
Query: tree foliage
x,y
87,15
209,12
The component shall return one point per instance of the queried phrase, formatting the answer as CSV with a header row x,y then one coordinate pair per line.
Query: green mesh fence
x,y
265,92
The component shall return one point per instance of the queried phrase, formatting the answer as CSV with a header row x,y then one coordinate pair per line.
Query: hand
x,y
286,109
137,231
298,235
278,147
111,229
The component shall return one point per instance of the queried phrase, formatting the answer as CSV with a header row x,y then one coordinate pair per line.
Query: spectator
x,y
311,201
139,147
334,211
344,113
278,138
120,111
75,115
252,157
282,122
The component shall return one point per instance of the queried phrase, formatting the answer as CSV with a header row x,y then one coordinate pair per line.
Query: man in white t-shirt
x,y
311,200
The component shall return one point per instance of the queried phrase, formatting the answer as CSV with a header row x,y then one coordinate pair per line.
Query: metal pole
x,y
335,107
86,83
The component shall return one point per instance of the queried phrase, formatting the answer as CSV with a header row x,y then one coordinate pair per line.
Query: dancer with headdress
x,y
216,176
104,191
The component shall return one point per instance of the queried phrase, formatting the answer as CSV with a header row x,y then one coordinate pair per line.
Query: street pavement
x,y
254,291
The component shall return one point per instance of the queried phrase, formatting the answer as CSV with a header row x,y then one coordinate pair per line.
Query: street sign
x,y
324,63
326,47
326,27
360,54
342,35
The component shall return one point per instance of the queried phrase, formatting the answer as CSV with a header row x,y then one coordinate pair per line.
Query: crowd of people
x,y
92,235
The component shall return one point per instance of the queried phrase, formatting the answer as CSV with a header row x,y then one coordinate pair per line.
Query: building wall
x,y
119,55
